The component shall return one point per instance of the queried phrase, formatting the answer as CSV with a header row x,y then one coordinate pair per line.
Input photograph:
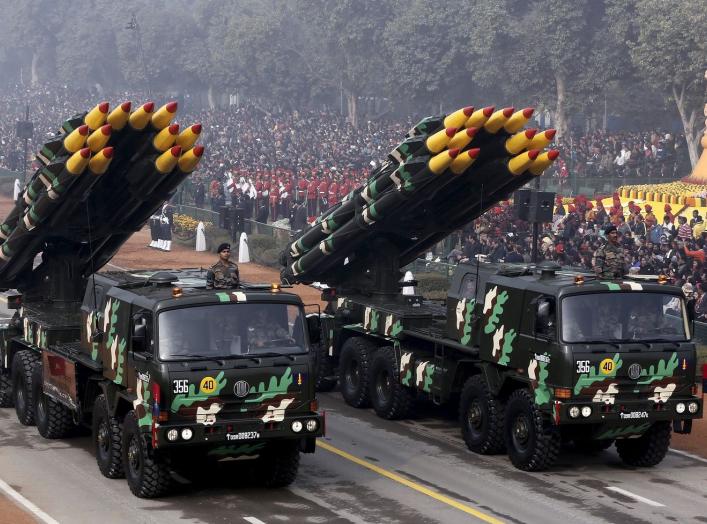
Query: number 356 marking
x,y
181,386
583,366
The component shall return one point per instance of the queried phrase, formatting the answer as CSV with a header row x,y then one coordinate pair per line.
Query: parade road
x,y
365,470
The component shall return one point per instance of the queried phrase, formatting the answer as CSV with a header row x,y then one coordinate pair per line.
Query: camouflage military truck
x,y
533,355
165,372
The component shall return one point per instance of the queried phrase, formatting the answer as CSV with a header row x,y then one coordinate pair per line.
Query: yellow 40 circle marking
x,y
606,367
207,385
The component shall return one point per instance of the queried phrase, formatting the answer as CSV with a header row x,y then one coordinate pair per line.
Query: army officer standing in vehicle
x,y
224,273
609,260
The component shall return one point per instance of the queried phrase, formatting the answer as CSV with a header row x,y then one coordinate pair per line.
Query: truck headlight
x,y
692,407
296,426
187,434
574,412
680,407
312,425
586,411
172,435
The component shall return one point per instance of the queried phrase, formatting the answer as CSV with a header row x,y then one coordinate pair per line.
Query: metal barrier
x,y
197,213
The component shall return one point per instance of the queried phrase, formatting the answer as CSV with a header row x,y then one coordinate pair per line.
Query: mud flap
x,y
308,445
682,427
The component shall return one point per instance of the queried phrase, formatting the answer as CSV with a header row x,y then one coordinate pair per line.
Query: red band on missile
x,y
126,106
454,152
199,150
83,130
528,112
473,153
508,111
107,129
553,154
488,111
533,154
530,133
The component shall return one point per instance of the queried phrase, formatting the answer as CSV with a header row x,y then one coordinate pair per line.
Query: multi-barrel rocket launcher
x,y
447,172
99,181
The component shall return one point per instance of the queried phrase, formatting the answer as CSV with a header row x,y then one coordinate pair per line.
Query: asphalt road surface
x,y
365,470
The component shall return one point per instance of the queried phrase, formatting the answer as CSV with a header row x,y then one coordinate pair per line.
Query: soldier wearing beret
x,y
224,273
609,260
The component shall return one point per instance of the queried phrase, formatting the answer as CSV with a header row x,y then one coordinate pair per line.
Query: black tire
x,y
326,380
390,398
530,446
107,440
647,450
481,416
277,466
354,371
6,391
147,476
53,419
591,446
23,366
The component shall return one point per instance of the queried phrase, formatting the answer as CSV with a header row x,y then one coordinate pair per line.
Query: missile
x,y
498,119
519,141
518,120
542,139
518,164
459,117
463,138
99,138
189,136
96,117
479,117
462,162
139,118
119,116
100,162
69,144
164,115
439,140
190,159
543,161
166,138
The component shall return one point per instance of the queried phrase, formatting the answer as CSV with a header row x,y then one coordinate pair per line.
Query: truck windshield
x,y
617,317
231,331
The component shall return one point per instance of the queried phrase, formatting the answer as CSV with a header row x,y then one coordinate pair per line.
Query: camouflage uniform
x,y
222,276
609,261
262,331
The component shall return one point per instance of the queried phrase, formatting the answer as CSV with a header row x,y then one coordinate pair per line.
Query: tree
x,y
669,50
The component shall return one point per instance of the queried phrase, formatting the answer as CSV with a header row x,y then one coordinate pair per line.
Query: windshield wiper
x,y
611,341
664,341
273,354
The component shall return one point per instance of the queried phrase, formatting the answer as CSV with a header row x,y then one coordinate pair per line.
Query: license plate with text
x,y
243,435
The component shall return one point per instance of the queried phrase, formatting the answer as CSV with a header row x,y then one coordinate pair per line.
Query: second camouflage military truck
x,y
166,372
534,356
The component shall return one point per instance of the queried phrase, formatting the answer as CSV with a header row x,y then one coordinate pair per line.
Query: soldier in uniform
x,y
224,273
610,260
263,331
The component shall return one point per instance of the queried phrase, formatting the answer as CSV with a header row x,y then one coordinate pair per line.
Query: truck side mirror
x,y
545,318
139,338
314,327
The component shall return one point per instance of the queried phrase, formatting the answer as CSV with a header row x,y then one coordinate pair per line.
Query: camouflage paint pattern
x,y
116,323
625,431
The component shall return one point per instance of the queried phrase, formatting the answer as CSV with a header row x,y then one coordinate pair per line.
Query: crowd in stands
x,y
675,247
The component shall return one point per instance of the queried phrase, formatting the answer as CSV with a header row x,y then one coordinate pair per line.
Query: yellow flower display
x,y
679,192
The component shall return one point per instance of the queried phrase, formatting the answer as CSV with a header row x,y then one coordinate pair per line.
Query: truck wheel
x,y
325,370
5,391
108,439
390,398
647,450
354,371
23,365
277,466
481,416
54,420
147,477
531,447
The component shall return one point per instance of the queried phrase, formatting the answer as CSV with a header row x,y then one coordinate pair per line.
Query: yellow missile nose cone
x,y
479,117
498,120
440,162
518,120
542,140
189,136
141,116
464,160
543,161
96,117
119,116
77,162
76,139
100,162
167,160
164,115
99,138
463,137
166,138
458,118
519,141
439,140
518,164
189,160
